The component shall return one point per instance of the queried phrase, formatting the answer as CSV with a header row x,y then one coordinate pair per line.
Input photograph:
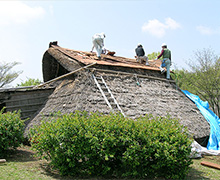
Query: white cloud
x,y
51,9
207,30
171,24
18,12
158,29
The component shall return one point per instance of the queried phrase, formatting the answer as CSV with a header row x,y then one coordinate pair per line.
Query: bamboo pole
x,y
65,75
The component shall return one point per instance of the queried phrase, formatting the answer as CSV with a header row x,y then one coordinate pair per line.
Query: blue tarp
x,y
211,117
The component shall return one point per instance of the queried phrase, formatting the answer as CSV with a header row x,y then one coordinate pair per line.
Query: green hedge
x,y
111,145
11,131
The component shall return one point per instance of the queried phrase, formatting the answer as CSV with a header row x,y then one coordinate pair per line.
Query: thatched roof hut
x,y
114,83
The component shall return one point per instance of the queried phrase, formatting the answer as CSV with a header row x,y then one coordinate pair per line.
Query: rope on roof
x,y
132,74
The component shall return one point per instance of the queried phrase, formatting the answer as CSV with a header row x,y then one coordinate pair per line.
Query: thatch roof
x,y
138,89
58,61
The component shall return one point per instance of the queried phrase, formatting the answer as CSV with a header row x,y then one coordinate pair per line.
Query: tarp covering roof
x,y
212,119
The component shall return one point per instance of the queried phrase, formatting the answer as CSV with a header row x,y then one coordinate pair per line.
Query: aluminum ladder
x,y
107,94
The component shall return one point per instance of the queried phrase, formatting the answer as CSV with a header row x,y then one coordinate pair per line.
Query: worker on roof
x,y
104,50
98,43
166,62
107,52
140,55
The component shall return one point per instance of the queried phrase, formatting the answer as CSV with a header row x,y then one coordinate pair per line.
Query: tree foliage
x,y
203,78
30,82
6,75
11,131
153,55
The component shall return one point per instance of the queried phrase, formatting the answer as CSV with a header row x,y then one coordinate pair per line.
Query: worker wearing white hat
x,y
98,43
166,62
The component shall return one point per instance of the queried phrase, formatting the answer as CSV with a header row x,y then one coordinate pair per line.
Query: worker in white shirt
x,y
98,43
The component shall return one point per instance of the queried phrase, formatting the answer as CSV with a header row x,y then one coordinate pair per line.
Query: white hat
x,y
164,44
103,34
139,44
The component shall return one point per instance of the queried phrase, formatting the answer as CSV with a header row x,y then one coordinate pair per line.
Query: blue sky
x,y
27,27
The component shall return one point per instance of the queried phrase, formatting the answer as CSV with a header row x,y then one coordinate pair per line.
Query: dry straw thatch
x,y
138,89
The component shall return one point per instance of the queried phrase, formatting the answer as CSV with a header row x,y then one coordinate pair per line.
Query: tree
x,y
153,55
30,82
6,76
203,78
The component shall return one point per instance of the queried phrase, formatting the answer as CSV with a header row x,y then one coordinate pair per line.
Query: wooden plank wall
x,y
28,101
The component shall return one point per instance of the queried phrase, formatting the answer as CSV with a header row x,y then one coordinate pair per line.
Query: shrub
x,y
11,131
101,145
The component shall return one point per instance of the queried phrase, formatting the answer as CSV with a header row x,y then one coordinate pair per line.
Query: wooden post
x,y
2,160
209,164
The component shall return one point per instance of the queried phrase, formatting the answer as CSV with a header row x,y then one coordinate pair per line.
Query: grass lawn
x,y
21,165
199,171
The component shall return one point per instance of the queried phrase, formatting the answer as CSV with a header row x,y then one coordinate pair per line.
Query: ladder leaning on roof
x,y
107,94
